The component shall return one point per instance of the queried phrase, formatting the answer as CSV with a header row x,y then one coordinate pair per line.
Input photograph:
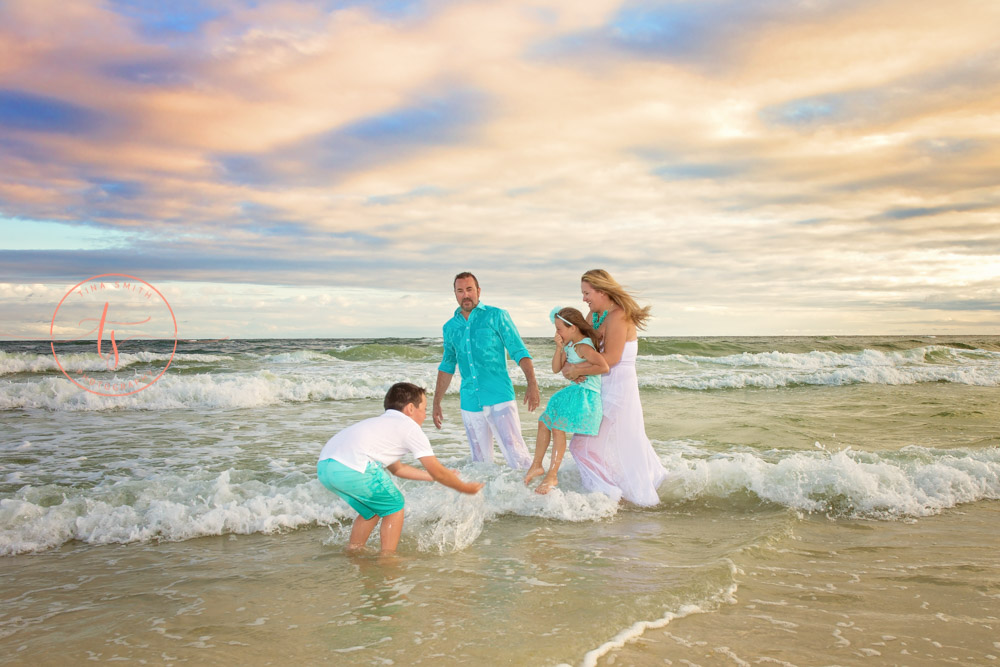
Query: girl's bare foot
x,y
533,472
547,485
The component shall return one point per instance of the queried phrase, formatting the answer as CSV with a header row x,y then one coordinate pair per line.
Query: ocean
x,y
831,501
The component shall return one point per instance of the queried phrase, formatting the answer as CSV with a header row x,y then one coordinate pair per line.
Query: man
x,y
478,338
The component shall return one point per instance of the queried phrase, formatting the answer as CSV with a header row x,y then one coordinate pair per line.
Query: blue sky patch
x,y
177,17
806,111
20,234
378,139
164,72
37,113
698,171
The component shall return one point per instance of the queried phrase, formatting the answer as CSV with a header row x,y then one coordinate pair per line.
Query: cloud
x,y
708,33
724,157
392,135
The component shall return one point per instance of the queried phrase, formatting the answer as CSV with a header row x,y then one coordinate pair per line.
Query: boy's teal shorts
x,y
370,492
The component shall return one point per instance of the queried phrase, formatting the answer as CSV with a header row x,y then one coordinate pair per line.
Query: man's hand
x,y
440,387
532,397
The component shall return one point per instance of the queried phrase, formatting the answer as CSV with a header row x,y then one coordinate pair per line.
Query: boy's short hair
x,y
402,394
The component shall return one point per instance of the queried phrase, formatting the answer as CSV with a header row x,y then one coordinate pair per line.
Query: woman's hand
x,y
572,373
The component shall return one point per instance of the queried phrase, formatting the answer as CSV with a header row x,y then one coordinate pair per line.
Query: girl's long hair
x,y
576,318
602,281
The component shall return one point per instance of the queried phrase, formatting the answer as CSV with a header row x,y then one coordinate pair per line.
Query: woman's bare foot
x,y
547,485
533,472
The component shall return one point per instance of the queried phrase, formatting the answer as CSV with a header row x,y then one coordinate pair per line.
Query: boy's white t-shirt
x,y
383,439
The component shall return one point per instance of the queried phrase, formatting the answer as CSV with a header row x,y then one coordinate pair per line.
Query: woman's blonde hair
x,y
602,281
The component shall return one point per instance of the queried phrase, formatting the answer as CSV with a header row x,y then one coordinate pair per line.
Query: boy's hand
x,y
472,488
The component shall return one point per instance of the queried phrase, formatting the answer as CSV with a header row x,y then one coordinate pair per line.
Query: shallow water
x,y
831,501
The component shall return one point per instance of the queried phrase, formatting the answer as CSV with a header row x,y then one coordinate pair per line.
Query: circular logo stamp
x,y
113,335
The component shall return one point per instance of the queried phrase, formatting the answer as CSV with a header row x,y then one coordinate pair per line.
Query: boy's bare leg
x,y
392,528
551,478
360,532
541,445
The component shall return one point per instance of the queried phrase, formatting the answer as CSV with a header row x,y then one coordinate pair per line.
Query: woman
x,y
619,461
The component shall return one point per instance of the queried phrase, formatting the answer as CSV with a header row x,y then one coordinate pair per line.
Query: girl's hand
x,y
559,341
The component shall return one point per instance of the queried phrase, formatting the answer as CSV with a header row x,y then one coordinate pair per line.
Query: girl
x,y
573,409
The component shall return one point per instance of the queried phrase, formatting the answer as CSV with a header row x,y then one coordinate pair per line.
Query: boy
x,y
351,463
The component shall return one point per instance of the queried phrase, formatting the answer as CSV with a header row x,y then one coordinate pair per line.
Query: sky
x,y
284,168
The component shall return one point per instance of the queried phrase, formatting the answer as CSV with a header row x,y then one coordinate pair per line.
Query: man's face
x,y
467,294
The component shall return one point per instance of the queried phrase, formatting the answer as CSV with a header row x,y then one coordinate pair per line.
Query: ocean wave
x,y
297,357
913,482
717,347
770,370
170,507
209,391
26,362
176,506
380,351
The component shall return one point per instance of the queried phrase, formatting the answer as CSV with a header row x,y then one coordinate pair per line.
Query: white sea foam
x,y
914,482
22,362
177,506
250,381
212,390
169,507
637,629
173,504
769,370
299,357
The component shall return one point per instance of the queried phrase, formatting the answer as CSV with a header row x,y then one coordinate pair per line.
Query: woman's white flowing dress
x,y
619,461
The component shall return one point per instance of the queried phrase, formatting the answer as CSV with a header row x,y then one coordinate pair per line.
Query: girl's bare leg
x,y
541,445
551,478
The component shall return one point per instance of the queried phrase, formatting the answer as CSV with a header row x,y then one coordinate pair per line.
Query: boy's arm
x,y
404,471
445,476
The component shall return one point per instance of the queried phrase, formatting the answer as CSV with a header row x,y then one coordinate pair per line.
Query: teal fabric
x,y
576,408
477,346
370,492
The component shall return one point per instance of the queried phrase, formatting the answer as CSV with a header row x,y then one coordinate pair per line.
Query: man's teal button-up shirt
x,y
478,345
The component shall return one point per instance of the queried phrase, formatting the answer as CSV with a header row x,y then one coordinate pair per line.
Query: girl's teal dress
x,y
576,408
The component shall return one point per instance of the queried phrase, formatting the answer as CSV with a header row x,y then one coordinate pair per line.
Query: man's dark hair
x,y
402,394
465,274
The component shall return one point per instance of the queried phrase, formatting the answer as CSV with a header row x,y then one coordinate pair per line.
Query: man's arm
x,y
519,352
446,370
531,397
443,380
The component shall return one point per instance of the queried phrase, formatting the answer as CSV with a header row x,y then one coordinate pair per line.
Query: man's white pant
x,y
500,420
